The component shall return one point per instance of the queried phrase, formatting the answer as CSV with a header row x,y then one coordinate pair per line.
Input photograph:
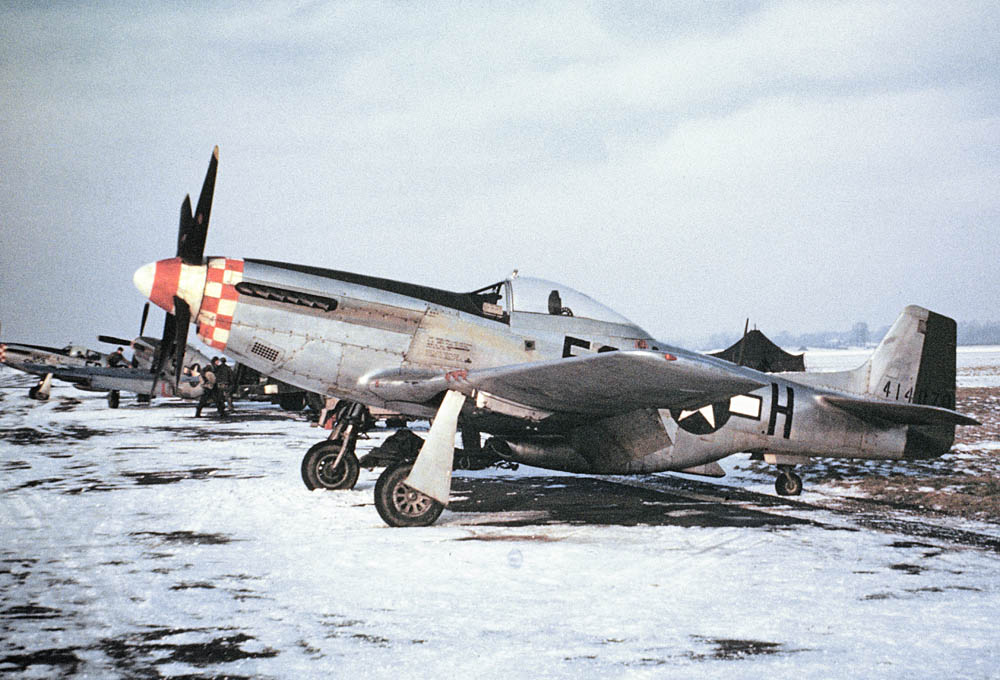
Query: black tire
x,y
114,398
317,471
400,506
36,393
788,484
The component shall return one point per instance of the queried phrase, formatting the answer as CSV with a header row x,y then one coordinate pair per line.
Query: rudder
x,y
915,362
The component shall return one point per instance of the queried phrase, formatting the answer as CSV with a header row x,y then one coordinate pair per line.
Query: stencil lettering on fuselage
x,y
450,351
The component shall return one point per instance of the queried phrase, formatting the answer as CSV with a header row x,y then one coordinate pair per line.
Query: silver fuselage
x,y
378,328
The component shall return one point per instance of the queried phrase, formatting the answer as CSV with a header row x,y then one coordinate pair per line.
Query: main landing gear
x,y
401,506
43,389
403,498
787,482
332,464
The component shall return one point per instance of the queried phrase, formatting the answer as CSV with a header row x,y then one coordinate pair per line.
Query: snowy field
x,y
142,543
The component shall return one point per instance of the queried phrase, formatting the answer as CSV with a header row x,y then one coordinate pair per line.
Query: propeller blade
x,y
186,237
112,340
145,315
182,313
165,347
194,229
207,191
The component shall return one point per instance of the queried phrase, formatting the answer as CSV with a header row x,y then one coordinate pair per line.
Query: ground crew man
x,y
117,358
224,382
210,390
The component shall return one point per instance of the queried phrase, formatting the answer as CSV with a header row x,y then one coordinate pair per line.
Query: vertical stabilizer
x,y
915,362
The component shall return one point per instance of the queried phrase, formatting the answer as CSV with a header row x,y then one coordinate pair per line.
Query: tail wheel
x,y
401,506
114,398
320,469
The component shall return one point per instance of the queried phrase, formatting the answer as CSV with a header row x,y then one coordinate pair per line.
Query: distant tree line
x,y
979,333
969,333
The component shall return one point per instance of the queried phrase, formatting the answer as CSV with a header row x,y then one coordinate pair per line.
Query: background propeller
x,y
145,315
111,339
190,249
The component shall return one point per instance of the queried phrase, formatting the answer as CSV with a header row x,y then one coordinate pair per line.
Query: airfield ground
x,y
142,543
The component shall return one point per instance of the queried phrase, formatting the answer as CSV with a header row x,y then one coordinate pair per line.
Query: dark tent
x,y
757,352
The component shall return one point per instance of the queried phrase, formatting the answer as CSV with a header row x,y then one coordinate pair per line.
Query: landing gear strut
x,y
787,482
332,464
42,390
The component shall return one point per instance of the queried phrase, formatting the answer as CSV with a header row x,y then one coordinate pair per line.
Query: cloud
x,y
756,156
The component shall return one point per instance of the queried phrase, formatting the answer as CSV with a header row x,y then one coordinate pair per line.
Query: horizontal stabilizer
x,y
894,412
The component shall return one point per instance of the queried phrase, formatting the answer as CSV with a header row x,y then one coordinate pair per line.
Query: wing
x,y
136,380
599,384
898,413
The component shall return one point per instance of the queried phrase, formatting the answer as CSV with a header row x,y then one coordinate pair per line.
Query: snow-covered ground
x,y
142,543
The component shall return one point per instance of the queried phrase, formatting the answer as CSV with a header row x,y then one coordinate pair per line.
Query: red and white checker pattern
x,y
3,353
219,301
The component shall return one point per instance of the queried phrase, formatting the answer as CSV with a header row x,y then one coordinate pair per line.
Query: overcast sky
x,y
691,164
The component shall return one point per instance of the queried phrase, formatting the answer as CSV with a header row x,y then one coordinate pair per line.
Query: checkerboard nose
x,y
218,305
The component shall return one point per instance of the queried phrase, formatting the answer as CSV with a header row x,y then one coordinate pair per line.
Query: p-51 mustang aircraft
x,y
559,380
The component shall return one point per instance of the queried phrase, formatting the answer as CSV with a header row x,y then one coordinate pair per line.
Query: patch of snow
x,y
143,538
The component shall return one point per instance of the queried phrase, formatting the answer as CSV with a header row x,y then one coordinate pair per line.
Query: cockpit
x,y
537,296
82,352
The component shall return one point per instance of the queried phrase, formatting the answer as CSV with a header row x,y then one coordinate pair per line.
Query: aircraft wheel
x,y
114,398
36,393
318,471
788,484
399,505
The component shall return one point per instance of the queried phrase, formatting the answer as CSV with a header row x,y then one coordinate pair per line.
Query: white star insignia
x,y
707,412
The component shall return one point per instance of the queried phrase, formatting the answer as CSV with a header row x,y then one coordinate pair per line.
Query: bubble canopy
x,y
539,296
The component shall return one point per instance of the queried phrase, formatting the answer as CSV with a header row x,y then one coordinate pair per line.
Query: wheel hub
x,y
327,472
410,502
